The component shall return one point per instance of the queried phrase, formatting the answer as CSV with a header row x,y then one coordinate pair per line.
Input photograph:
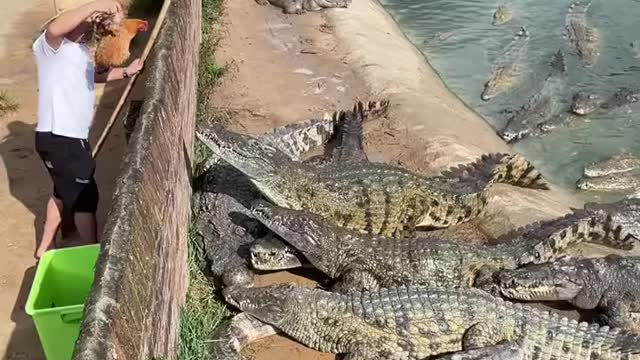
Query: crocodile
x,y
508,70
502,15
635,49
627,218
365,261
539,107
585,102
366,196
583,38
616,183
415,322
302,6
222,190
610,284
618,163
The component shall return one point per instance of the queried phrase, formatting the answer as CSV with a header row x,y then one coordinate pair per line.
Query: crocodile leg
x,y
294,7
507,350
633,322
482,335
237,333
240,275
331,3
354,279
586,299
615,312
360,354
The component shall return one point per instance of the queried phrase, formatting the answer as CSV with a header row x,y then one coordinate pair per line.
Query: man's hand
x,y
135,67
71,19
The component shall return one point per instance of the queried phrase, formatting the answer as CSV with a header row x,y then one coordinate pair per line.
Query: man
x,y
66,96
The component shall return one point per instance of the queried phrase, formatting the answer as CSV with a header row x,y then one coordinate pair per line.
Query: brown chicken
x,y
113,49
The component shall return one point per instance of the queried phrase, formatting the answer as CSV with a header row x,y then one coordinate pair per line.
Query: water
x,y
465,59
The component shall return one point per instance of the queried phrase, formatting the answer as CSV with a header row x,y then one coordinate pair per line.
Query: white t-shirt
x,y
66,88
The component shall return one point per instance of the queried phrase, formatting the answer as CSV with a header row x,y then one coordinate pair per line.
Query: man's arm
x,y
119,72
69,20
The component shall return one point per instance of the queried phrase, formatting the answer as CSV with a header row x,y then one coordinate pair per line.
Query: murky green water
x,y
465,59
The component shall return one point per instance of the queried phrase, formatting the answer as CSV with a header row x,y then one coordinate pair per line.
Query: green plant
x,y
7,103
203,311
209,71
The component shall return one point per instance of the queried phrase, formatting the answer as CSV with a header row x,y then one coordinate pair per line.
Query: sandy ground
x,y
287,68
24,183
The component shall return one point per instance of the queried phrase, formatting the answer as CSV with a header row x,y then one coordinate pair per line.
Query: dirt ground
x,y
24,184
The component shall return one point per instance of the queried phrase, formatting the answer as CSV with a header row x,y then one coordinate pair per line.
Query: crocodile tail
x,y
516,170
497,168
349,143
476,175
558,63
297,139
544,240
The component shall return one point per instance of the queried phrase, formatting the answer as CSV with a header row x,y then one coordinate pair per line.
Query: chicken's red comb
x,y
144,25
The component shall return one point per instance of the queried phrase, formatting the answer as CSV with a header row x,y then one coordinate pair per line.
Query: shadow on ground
x,y
28,347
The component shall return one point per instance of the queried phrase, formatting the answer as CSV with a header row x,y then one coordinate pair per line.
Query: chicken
x,y
113,49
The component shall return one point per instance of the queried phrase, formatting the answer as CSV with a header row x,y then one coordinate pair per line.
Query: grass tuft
x,y
203,311
7,103
210,71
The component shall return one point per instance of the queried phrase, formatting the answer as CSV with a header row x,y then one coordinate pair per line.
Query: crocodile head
x,y
514,131
256,159
501,16
622,96
493,86
551,281
275,304
307,232
610,183
584,103
618,163
624,213
270,253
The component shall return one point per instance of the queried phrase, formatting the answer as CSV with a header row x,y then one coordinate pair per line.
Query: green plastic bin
x,y
56,301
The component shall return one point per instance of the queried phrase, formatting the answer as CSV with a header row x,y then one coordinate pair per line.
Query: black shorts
x,y
71,166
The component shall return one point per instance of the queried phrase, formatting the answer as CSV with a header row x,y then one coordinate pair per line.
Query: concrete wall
x,y
141,275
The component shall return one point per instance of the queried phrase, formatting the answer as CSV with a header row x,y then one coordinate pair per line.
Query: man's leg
x,y
84,213
87,227
51,225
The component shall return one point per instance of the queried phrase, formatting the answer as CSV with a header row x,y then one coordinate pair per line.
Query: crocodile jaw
x,y
256,159
540,293
270,191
